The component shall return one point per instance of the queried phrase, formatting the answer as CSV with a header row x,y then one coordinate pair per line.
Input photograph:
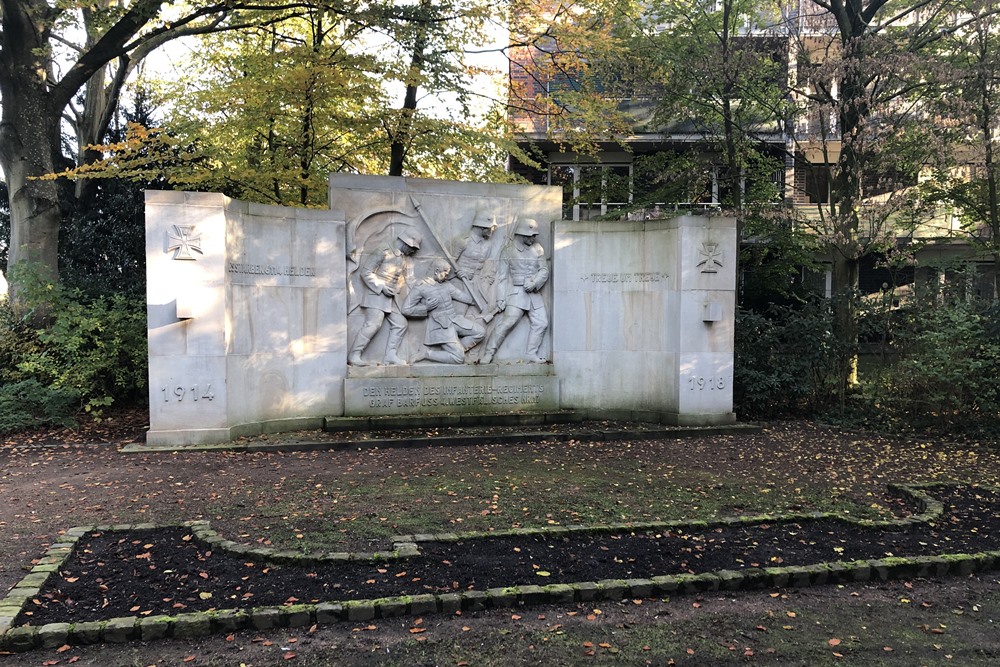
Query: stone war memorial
x,y
426,297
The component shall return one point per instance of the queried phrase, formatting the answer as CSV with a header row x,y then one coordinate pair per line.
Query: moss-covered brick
x,y
286,556
700,583
391,607
34,580
53,635
640,588
612,589
860,571
44,568
408,550
120,630
265,618
18,640
778,576
86,633
337,557
189,626
329,612
664,584
798,576
879,570
731,580
422,604
229,620
586,591
502,597
533,594
560,593
362,610
155,627
475,600
450,603
837,572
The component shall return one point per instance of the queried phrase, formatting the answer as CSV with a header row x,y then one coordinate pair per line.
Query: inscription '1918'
x,y
183,393
710,383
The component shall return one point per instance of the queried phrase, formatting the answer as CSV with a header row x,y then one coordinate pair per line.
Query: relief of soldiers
x,y
384,275
522,273
473,253
449,335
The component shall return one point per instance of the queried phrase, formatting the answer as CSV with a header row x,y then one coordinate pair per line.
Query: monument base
x,y
450,389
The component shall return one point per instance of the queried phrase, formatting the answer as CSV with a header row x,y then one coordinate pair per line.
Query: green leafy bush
x,y
785,361
29,404
91,348
947,365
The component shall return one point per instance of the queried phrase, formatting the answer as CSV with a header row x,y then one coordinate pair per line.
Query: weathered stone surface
x,y
190,626
155,627
238,294
329,612
87,633
265,618
53,635
120,630
422,604
360,611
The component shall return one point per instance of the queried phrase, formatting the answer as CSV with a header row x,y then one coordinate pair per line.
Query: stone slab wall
x,y
643,316
245,311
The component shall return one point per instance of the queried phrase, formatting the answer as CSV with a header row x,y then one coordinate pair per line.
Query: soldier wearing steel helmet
x,y
472,256
522,273
384,275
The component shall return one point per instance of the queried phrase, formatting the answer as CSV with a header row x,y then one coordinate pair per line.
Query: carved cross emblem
x,y
183,239
711,257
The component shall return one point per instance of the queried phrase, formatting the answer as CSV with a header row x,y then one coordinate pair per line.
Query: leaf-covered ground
x,y
354,500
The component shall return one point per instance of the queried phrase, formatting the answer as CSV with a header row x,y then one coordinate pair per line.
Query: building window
x,y
818,183
593,191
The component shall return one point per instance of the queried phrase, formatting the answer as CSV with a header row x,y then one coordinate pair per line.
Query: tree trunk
x,y
29,145
402,136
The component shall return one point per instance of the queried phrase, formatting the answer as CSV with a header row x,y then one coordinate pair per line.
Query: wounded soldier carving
x,y
449,335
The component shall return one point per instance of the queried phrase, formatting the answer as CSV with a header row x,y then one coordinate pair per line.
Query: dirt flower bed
x,y
169,571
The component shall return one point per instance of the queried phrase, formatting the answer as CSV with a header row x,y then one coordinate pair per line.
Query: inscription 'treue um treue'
x,y
409,396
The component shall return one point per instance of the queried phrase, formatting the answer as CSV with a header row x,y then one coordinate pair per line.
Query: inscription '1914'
x,y
182,393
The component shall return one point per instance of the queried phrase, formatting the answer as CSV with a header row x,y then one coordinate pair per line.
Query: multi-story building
x,y
612,182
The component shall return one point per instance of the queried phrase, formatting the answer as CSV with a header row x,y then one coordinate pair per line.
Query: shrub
x,y
785,360
948,365
93,348
29,404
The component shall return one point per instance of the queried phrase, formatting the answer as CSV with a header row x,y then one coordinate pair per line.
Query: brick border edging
x,y
200,624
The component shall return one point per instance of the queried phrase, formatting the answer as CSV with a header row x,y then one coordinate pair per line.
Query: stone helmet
x,y
410,238
483,219
526,227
